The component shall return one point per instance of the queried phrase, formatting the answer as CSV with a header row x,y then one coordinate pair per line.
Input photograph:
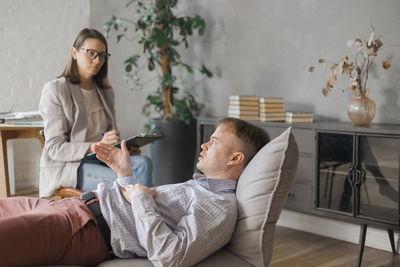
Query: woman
x,y
78,111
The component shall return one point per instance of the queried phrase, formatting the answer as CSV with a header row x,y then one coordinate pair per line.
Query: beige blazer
x,y
65,124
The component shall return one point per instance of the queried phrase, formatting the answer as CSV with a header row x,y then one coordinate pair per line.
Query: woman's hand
x,y
117,159
111,137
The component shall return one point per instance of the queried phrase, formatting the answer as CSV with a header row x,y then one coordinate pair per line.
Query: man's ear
x,y
236,158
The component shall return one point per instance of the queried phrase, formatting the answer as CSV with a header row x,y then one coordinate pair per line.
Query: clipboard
x,y
137,140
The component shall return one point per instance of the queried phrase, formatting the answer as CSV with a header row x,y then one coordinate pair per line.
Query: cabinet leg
x,y
361,243
330,188
391,238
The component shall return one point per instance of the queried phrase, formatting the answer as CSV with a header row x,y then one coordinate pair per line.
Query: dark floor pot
x,y
173,155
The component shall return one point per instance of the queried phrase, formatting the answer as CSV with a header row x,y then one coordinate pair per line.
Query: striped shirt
x,y
183,224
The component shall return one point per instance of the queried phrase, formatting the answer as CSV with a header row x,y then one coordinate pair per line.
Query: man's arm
x,y
206,227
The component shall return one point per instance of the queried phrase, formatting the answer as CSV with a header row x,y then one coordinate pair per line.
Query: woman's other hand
x,y
111,137
134,150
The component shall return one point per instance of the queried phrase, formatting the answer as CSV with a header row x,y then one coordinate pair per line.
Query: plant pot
x,y
361,110
173,155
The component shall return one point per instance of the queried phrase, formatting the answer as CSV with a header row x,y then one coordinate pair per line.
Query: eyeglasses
x,y
93,54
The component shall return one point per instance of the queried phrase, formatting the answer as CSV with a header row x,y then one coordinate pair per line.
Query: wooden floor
x,y
296,248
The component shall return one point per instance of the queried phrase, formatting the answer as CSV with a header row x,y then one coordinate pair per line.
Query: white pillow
x,y
261,192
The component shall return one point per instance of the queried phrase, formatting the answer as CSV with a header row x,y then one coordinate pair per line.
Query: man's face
x,y
216,153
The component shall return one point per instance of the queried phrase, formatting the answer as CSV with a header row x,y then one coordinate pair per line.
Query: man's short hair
x,y
253,136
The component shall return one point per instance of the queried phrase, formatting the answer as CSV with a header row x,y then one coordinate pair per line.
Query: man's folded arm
x,y
205,228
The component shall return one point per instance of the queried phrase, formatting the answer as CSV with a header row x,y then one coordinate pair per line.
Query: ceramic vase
x,y
361,110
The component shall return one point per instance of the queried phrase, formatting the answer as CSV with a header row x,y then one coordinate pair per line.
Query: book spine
x,y
243,98
24,123
271,100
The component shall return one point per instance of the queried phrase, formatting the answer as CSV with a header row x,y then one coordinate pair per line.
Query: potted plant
x,y
160,32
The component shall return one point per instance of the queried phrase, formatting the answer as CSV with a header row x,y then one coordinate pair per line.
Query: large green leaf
x,y
206,72
199,23
159,37
188,68
132,60
168,80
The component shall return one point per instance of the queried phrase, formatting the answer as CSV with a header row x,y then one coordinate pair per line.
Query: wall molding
x,y
376,238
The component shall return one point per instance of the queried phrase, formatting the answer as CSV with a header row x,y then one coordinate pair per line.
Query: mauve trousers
x,y
37,231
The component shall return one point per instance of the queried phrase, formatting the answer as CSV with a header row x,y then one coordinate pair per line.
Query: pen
x,y
102,134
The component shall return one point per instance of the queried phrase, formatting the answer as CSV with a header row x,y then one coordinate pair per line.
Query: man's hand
x,y
129,191
117,159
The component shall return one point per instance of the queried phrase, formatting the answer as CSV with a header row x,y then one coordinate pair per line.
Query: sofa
x,y
261,192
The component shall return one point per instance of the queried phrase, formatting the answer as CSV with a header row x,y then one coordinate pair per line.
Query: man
x,y
172,225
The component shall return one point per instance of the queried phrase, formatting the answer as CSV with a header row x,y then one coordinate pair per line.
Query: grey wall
x,y
265,47
35,39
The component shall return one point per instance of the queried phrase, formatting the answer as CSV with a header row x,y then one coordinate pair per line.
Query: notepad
x,y
137,140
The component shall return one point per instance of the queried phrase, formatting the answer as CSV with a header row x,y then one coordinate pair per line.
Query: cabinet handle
x,y
350,175
363,175
356,176
358,179
360,176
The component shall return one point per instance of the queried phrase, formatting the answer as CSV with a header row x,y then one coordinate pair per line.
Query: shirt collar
x,y
215,184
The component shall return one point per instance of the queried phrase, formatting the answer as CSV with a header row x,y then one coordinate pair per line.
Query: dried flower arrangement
x,y
356,70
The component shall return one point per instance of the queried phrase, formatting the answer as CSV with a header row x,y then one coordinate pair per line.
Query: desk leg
x,y
4,182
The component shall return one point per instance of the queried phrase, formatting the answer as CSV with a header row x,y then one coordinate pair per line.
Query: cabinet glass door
x,y
379,162
335,158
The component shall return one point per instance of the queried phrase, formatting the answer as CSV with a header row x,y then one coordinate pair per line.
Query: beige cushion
x,y
261,192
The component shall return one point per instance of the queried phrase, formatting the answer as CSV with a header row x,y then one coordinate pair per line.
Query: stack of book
x,y
271,109
303,117
243,107
21,118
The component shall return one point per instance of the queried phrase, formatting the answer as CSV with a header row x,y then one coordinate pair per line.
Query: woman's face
x,y
90,57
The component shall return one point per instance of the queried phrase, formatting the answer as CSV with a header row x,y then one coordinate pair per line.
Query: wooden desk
x,y
13,132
